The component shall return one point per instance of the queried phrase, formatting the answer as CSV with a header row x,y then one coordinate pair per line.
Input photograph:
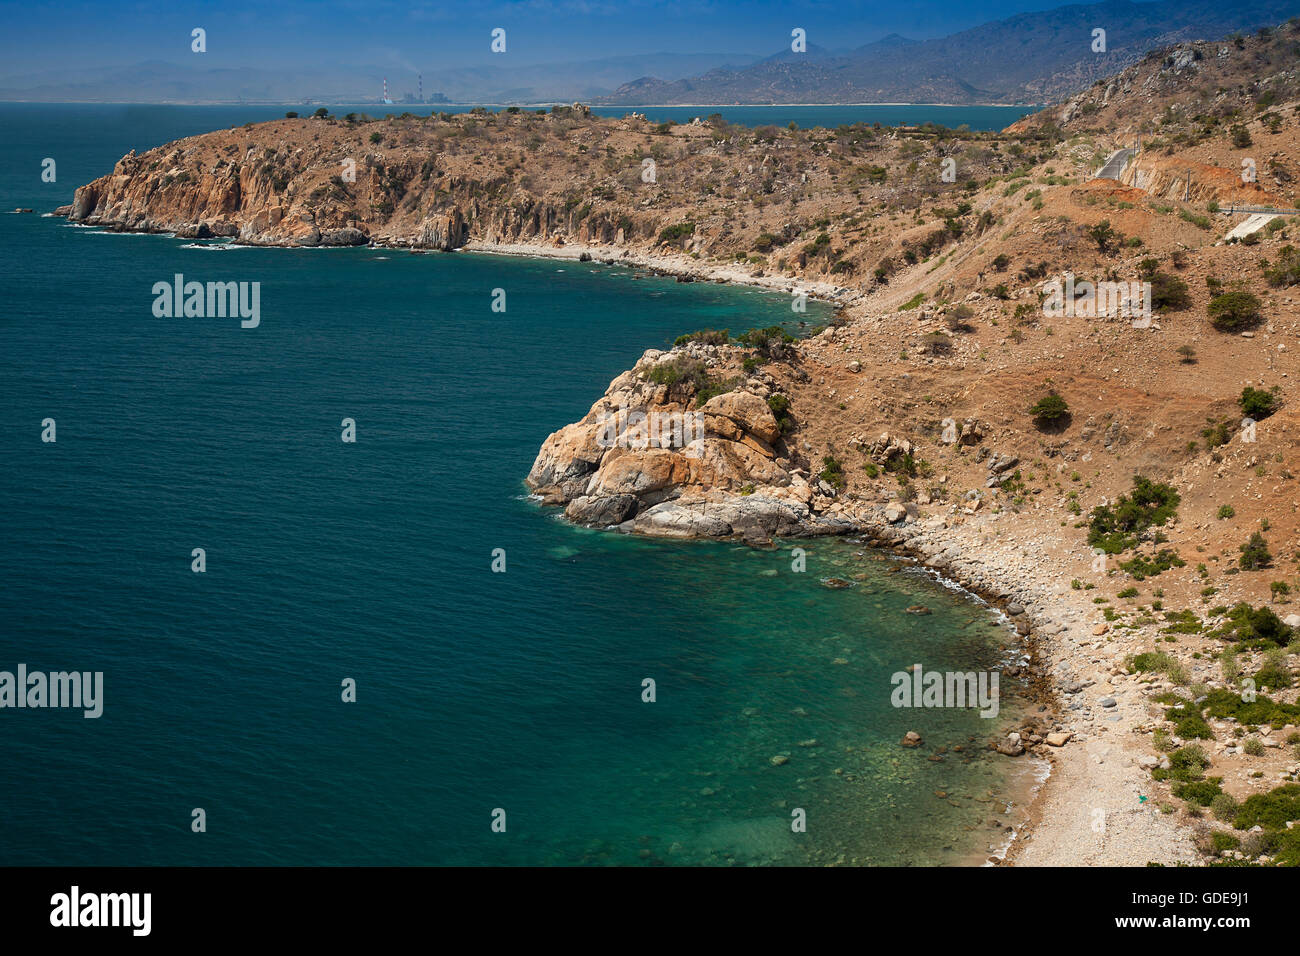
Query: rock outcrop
x,y
649,458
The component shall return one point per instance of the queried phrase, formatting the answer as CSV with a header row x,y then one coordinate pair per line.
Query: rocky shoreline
x,y
733,475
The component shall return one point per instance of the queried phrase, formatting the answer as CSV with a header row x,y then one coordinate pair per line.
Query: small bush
x,y
1270,810
679,373
1104,235
1254,553
1115,528
769,342
1260,627
1142,567
1156,661
1234,311
1168,293
1199,792
780,406
1286,271
832,473
676,233
1224,807
1050,410
1258,403
704,337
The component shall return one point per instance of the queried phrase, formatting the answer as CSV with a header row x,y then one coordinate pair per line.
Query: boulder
x,y
747,411
601,512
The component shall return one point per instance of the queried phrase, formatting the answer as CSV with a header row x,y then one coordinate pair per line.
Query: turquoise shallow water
x,y
371,561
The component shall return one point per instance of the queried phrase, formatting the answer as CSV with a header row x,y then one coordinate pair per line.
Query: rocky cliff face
x,y
766,202
192,189
650,457
1182,180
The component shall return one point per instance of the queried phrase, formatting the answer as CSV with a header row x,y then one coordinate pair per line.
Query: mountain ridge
x,y
1027,58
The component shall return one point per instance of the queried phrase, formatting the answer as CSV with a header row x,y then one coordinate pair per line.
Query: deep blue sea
x,y
476,691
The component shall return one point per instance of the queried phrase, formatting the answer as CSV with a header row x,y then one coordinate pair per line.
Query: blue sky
x,y
42,36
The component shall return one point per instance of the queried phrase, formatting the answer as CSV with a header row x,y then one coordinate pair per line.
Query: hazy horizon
x,y
343,50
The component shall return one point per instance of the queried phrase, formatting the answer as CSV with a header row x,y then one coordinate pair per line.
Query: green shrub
x,y
713,388
1142,567
1270,810
1234,311
832,473
1254,553
679,372
1104,235
1286,271
1223,841
1157,661
1188,723
1224,807
1274,677
676,233
1256,626
704,336
1258,403
769,342
780,406
1168,293
1050,409
1222,703
1217,435
1182,622
1185,764
1199,792
1115,528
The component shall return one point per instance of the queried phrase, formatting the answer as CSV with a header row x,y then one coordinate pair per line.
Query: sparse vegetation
x,y
1117,527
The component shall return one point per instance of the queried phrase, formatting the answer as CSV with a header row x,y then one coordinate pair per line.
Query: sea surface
x,y
480,695
979,118
178,121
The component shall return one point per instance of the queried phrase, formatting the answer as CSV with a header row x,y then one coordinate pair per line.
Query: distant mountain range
x,y
1030,58
162,82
